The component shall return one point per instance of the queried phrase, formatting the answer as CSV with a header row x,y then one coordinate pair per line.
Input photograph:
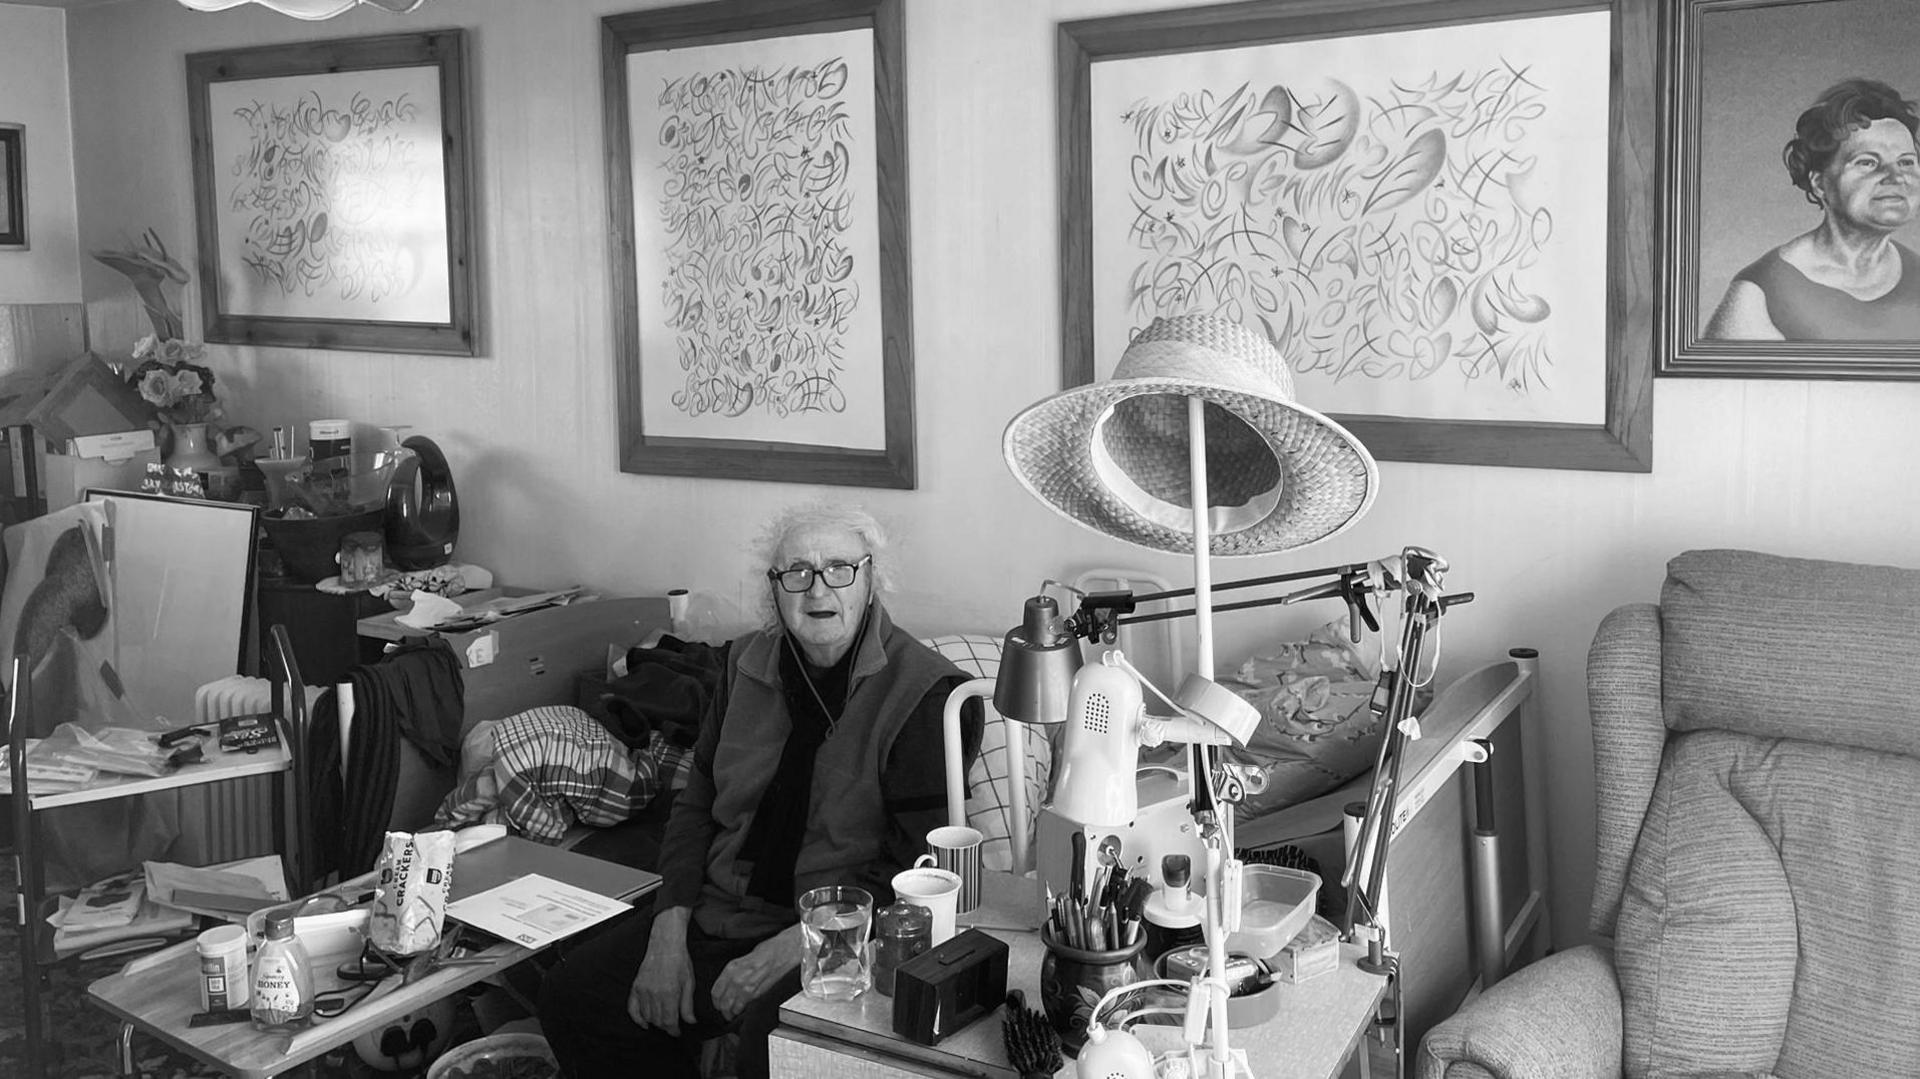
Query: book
x,y
151,922
106,904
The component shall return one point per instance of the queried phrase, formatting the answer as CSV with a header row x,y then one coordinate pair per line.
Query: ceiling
x,y
68,4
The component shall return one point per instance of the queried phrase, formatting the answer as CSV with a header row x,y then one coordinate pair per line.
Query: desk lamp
x,y
1195,445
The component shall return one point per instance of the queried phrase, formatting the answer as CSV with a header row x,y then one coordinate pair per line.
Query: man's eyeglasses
x,y
836,574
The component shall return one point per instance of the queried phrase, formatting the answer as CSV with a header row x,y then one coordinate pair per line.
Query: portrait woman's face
x,y
1873,180
824,620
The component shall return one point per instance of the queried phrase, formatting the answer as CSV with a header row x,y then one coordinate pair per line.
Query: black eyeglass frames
x,y
836,574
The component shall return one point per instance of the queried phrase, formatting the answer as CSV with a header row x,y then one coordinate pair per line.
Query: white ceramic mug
x,y
935,889
956,849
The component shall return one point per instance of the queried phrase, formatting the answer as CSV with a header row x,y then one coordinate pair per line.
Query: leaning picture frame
x,y
1350,210
333,194
760,261
13,186
1754,278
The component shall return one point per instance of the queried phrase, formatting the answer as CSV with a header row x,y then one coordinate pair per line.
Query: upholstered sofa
x,y
1757,894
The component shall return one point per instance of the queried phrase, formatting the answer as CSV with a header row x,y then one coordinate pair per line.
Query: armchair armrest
x,y
1556,1019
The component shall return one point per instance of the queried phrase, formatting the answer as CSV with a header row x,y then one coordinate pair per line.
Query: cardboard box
x,y
114,461
1312,951
67,477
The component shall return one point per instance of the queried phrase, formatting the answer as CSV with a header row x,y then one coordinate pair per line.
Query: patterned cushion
x,y
1706,897
1772,910
989,804
1791,648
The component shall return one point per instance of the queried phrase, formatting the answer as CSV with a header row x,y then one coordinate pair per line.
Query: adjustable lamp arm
x,y
1101,614
1417,573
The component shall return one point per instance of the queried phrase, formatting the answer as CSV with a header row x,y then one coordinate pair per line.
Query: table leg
x,y
126,1050
27,874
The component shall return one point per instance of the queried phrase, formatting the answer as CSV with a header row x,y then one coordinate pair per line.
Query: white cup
x,y
932,888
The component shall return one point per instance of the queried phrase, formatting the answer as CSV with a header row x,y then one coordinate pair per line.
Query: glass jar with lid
x,y
901,931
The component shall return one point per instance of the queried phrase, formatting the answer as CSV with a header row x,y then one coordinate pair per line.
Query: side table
x,y
159,993
1320,1025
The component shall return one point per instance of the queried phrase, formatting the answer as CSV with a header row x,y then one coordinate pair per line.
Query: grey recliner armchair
x,y
1757,894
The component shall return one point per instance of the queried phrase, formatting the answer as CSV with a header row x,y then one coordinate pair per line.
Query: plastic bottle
x,y
282,978
677,603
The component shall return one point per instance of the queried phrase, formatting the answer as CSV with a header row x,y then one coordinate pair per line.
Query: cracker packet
x,y
413,876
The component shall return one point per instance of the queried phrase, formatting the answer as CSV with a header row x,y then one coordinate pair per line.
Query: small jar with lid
x,y
901,931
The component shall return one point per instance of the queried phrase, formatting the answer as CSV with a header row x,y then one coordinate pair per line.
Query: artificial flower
x,y
179,391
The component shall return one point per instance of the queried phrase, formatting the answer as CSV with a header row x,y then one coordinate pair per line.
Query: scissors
x,y
444,954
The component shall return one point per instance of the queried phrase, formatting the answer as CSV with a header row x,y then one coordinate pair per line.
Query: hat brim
x,y
1328,478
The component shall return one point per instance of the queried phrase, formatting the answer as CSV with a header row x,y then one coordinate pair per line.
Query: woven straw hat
x,y
1113,455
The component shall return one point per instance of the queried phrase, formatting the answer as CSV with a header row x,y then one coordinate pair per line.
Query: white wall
x,y
33,93
1804,468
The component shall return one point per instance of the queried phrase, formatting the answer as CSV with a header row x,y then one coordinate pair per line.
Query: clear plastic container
x,y
1275,904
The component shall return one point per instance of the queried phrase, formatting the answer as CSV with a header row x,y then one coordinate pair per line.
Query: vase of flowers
x,y
181,393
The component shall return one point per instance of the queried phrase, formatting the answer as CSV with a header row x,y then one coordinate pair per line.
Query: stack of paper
x,y
46,776
115,909
230,891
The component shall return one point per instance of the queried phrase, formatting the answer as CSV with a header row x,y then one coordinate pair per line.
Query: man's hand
x,y
746,978
662,993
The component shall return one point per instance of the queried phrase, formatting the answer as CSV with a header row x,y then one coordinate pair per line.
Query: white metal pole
x,y
955,755
1201,756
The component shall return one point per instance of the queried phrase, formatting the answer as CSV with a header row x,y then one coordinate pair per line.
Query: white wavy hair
x,y
827,515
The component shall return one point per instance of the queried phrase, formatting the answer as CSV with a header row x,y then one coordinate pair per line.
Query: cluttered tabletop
x,y
1313,1026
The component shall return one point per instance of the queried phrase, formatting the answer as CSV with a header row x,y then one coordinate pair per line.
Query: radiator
x,y
232,819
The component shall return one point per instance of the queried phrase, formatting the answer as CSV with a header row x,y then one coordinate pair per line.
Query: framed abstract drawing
x,y
1789,247
331,182
13,186
1440,212
757,190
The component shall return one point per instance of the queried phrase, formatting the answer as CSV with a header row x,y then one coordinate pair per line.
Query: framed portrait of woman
x,y
1791,224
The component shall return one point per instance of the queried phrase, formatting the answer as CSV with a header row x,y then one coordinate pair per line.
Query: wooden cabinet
x,y
323,626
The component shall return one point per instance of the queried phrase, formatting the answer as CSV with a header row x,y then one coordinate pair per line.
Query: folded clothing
x,y
542,771
1316,730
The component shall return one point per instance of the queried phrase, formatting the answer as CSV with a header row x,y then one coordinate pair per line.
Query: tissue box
x,y
1312,951
940,991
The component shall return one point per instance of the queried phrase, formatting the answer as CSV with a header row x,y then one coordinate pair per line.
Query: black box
x,y
940,991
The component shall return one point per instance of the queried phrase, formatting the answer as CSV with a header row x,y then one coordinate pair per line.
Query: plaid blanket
x,y
542,771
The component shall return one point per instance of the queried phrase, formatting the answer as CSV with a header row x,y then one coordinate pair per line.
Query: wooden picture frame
x,y
333,191
790,363
1740,74
13,186
1614,432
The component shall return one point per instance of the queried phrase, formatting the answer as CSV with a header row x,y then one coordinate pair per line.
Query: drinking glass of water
x,y
836,962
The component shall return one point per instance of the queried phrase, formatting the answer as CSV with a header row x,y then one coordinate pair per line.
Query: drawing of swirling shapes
x,y
1384,238
756,205
318,184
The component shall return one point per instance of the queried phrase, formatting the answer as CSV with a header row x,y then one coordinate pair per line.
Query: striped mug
x,y
956,849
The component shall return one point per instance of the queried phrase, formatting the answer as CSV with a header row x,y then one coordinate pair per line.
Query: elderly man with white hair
x,y
819,762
